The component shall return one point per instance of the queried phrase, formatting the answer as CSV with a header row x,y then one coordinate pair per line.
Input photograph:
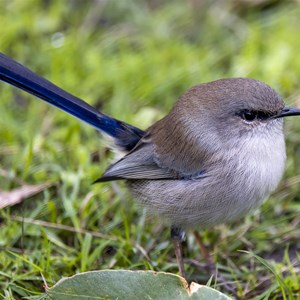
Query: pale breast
x,y
232,188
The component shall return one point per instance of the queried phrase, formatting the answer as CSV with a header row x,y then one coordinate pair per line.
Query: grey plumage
x,y
203,164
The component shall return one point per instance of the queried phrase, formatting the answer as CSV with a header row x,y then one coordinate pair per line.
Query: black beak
x,y
288,111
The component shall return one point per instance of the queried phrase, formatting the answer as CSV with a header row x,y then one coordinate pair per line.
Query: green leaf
x,y
114,284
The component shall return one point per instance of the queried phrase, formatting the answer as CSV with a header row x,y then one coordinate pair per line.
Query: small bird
x,y
217,155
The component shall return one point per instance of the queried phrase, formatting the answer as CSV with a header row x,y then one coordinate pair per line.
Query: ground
x,y
132,60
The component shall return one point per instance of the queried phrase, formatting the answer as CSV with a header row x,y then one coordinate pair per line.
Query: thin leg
x,y
212,269
177,236
203,249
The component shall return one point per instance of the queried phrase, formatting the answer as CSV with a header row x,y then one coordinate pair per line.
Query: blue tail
x,y
126,136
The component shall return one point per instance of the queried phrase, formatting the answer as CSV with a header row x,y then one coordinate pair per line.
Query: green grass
x,y
132,60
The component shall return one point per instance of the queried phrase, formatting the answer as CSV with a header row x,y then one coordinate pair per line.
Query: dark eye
x,y
249,116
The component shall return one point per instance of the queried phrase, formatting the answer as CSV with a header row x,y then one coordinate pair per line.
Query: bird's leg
x,y
177,236
212,269
204,251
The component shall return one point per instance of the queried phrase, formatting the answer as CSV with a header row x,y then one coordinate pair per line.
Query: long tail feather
x,y
126,136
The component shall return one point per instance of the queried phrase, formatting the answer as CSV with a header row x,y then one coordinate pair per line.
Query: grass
x,y
132,59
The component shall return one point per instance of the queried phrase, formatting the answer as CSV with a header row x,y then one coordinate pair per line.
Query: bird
x,y
217,155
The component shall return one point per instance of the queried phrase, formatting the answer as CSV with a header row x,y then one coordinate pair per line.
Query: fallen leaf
x,y
19,194
133,285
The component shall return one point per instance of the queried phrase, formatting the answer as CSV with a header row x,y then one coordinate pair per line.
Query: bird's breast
x,y
253,171
239,181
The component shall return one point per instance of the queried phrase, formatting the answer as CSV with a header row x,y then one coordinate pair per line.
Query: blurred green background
x,y
133,59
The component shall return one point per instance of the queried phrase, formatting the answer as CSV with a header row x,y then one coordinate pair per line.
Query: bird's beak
x,y
288,111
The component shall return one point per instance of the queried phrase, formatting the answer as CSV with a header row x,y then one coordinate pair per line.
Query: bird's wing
x,y
137,164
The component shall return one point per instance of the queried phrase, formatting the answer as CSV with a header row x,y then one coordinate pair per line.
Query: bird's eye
x,y
249,116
